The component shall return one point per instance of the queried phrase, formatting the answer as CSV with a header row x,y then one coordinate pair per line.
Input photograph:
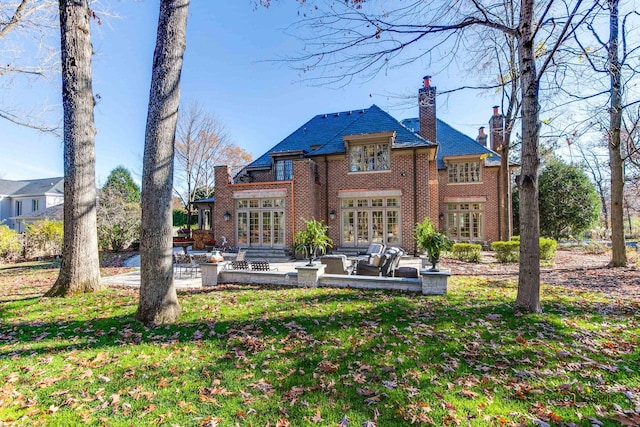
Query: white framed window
x,y
18,207
463,172
369,157
34,205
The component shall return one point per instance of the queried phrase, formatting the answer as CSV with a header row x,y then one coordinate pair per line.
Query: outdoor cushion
x,y
375,260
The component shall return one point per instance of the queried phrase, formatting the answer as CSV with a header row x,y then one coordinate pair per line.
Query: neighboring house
x,y
369,177
23,202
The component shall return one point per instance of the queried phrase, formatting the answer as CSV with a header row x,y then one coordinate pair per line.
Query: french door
x,y
260,227
367,221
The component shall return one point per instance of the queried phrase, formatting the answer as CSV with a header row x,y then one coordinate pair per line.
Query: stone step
x,y
269,254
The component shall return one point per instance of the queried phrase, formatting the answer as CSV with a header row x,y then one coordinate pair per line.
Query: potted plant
x,y
431,241
311,239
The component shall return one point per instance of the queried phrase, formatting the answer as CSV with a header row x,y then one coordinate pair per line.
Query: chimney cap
x,y
426,81
481,130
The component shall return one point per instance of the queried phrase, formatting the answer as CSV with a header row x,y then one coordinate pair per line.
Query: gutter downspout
x,y
326,189
501,231
293,214
415,197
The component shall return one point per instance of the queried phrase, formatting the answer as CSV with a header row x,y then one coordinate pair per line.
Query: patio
x,y
296,273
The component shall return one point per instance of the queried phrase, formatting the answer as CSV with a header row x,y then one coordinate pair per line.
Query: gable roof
x,y
34,187
55,212
322,135
454,143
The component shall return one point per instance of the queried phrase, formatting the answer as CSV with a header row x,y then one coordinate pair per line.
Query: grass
x,y
245,355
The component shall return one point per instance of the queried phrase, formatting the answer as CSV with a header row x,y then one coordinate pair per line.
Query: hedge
x,y
468,252
510,251
507,251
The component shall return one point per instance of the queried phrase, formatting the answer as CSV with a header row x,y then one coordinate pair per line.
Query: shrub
x,y
510,251
507,251
468,252
548,249
10,244
594,248
44,237
118,220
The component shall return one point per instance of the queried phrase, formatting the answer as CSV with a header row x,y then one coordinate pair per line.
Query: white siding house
x,y
23,202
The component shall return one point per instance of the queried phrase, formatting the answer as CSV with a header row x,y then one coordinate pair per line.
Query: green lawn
x,y
258,356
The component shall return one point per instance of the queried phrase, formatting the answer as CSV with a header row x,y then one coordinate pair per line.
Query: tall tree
x,y
605,59
202,142
158,299
25,29
618,253
120,179
352,40
80,268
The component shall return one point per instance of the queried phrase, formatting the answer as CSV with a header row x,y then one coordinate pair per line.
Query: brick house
x,y
369,177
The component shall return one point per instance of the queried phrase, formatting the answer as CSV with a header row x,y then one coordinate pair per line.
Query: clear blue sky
x,y
227,69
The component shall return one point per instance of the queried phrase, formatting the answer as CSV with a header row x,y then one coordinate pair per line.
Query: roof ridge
x,y
363,111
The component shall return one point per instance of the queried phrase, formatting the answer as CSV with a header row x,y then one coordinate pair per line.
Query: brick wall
x,y
487,188
399,177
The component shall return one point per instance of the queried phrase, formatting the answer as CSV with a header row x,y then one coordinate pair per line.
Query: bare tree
x,y
596,167
348,40
25,29
606,59
158,299
80,269
202,142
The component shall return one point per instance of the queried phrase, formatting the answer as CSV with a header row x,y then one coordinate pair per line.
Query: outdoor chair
x,y
184,262
261,265
383,266
336,264
374,248
373,267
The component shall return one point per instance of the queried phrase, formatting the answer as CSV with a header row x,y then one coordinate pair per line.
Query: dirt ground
x,y
571,267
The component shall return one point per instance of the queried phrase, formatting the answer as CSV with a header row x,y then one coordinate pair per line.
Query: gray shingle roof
x,y
52,212
454,143
32,187
323,134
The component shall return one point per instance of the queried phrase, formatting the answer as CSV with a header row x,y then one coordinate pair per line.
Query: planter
x,y
215,257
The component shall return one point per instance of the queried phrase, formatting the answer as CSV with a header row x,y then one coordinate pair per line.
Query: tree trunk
x,y
528,298
158,300
80,269
618,254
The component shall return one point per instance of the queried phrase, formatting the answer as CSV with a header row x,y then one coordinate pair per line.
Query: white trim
x,y
476,199
344,194
259,194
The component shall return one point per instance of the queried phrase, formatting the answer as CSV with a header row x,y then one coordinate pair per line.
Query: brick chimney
x,y
482,137
427,108
496,129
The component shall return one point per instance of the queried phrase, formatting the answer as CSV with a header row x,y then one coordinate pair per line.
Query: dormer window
x,y
369,157
463,172
284,170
